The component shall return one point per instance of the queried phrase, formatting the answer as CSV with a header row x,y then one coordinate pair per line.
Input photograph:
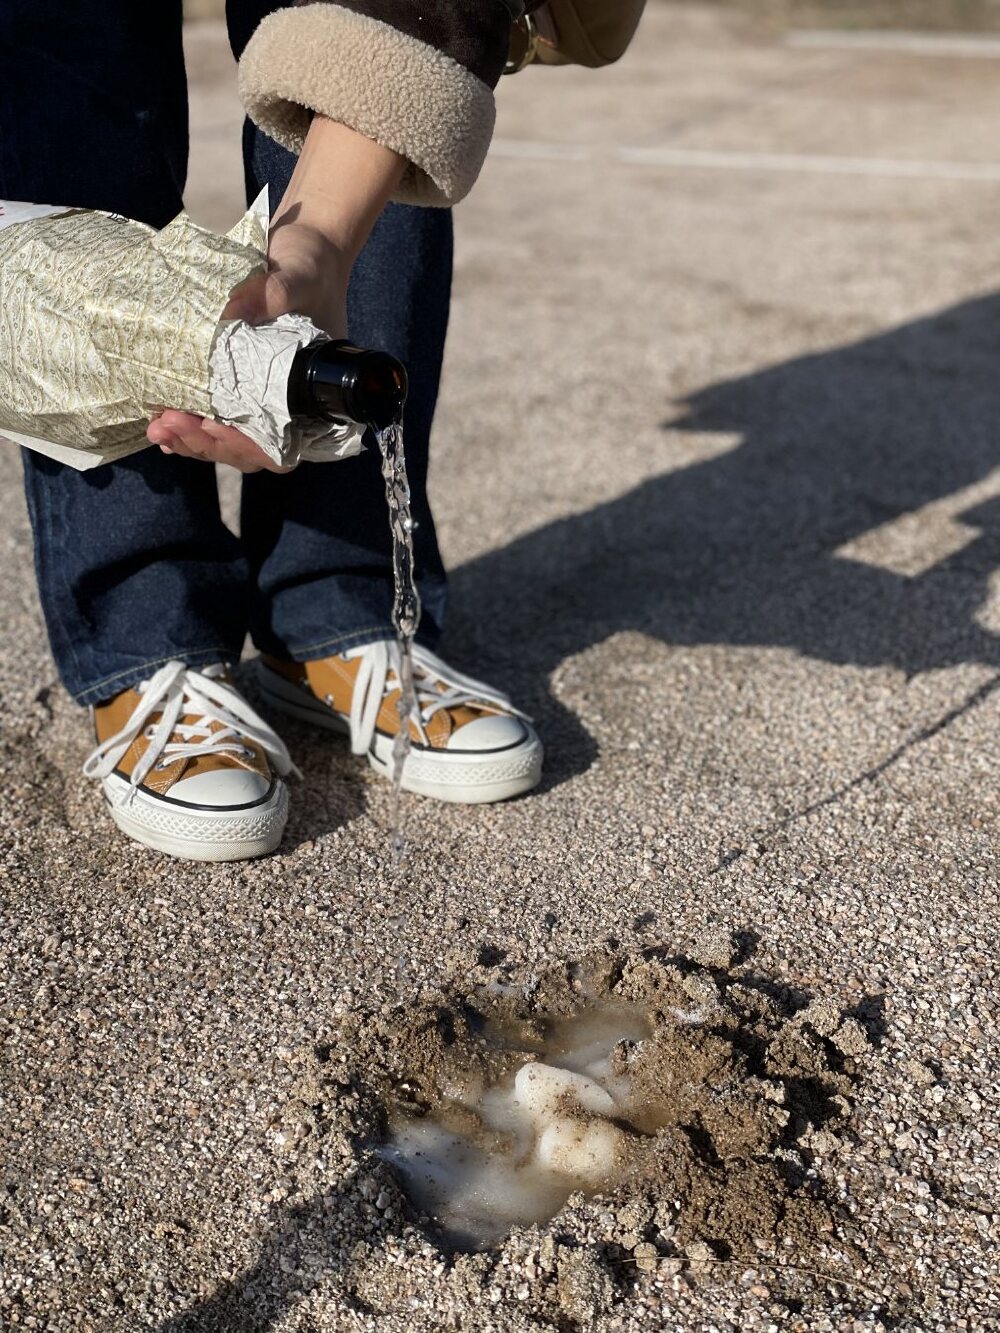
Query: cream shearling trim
x,y
386,85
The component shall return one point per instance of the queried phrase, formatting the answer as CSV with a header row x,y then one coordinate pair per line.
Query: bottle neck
x,y
337,381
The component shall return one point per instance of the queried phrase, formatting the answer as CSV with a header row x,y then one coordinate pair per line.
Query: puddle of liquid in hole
x,y
491,1158
405,611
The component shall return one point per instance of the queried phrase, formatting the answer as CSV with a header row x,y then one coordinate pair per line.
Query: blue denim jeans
x,y
134,563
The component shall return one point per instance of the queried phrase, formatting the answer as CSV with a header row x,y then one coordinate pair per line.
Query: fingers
x,y
306,273
265,296
180,433
229,445
208,440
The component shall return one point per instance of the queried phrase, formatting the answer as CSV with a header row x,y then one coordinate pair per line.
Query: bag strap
x,y
573,32
523,44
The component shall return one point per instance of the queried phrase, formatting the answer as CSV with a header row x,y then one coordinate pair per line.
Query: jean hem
x,y
340,643
109,686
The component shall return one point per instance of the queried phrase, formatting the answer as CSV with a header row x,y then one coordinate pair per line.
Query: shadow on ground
x,y
740,549
260,1297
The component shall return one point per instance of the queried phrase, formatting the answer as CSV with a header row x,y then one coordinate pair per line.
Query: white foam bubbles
x,y
491,1158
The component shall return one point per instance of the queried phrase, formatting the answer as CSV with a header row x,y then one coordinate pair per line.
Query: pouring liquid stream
x,y
405,611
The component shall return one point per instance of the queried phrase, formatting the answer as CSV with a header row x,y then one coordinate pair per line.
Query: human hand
x,y
306,273
340,184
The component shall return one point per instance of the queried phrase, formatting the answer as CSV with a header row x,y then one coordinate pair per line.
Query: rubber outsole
x,y
462,778
207,835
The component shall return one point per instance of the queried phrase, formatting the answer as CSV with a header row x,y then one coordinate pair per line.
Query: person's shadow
x,y
258,1298
742,549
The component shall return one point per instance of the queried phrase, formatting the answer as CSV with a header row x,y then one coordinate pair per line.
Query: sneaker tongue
x,y
214,671
207,724
463,714
212,760
427,686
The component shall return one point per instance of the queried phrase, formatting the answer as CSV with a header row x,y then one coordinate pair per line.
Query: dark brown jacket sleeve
x,y
415,75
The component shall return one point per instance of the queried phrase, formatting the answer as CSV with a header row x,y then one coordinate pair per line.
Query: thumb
x,y
248,300
262,297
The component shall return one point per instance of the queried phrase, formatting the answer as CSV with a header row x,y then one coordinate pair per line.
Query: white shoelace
x,y
437,685
178,691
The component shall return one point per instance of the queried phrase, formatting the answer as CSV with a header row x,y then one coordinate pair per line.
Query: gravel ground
x,y
964,15
716,472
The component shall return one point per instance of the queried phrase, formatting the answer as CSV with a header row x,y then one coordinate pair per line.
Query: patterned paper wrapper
x,y
104,322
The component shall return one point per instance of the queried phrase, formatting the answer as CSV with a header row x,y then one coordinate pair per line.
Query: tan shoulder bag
x,y
574,32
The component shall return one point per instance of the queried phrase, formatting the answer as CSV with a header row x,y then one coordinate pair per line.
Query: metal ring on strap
x,y
523,44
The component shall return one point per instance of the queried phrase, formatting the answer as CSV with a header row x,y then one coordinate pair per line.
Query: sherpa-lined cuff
x,y
405,93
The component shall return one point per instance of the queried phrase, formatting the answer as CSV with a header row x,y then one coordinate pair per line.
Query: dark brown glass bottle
x,y
339,382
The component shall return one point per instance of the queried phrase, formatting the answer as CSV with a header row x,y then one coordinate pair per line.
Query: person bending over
x,y
367,119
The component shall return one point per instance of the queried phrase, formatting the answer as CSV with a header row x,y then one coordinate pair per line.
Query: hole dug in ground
x,y
649,1074
631,1115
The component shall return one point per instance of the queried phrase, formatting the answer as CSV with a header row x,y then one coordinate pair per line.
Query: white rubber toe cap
x,y
496,732
223,788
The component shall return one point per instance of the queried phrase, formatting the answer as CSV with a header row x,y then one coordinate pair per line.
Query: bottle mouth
x,y
364,386
380,389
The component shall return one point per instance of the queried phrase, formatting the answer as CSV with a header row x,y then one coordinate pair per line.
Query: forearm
x,y
414,75
340,185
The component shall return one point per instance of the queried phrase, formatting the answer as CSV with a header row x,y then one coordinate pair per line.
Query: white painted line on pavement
x,y
713,160
829,165
965,46
541,152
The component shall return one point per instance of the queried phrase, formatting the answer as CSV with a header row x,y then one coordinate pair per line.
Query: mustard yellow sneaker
x,y
189,769
469,745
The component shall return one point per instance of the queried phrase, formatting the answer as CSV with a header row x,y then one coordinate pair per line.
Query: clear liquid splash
x,y
405,611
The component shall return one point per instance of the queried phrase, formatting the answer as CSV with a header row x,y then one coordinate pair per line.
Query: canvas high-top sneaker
x,y
471,744
188,768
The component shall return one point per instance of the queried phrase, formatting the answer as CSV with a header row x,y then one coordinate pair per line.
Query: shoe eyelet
x,y
245,751
328,700
164,764
149,733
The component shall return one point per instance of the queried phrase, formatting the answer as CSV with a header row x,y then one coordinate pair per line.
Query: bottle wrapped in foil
x,y
104,322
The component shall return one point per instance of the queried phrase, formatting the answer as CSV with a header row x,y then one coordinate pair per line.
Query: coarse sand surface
x,y
717,476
